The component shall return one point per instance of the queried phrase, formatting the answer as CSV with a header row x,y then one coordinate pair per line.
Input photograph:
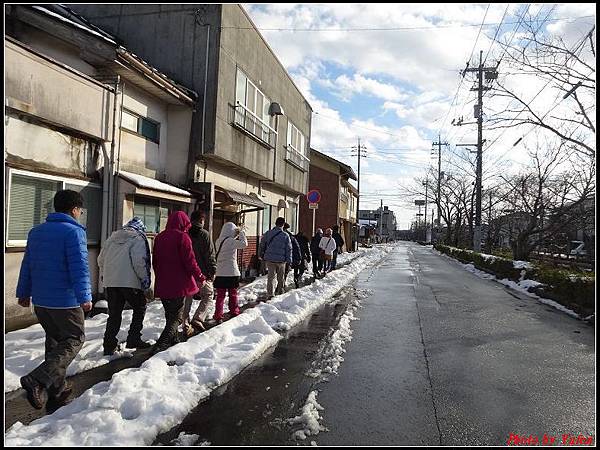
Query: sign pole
x,y
313,230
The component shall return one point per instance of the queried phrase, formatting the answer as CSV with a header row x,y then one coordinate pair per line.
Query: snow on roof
x,y
102,35
150,183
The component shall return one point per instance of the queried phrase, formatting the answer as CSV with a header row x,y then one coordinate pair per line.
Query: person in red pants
x,y
227,278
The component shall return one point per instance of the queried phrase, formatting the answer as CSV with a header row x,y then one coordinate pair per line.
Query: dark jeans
x,y
173,315
334,260
299,271
64,338
117,296
317,263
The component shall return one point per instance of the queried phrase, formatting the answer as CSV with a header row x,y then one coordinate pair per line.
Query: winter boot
x,y
36,393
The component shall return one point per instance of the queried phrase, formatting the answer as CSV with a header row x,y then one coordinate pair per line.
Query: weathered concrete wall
x,y
38,87
58,49
33,146
171,38
138,154
176,158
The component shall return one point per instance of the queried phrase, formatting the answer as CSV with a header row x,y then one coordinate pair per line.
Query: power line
x,y
463,76
497,31
433,27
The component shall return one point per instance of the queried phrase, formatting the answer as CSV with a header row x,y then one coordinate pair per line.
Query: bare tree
x,y
569,70
549,196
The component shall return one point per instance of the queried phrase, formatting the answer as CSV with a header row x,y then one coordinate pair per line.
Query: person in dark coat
x,y
296,252
316,253
339,241
55,277
305,257
204,251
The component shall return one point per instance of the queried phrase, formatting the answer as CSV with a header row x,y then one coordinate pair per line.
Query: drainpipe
x,y
205,84
107,173
111,190
116,127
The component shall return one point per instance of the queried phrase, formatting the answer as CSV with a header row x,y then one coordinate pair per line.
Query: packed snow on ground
x,y
24,349
138,404
522,286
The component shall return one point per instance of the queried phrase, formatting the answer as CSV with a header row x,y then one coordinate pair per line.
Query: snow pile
x,y
185,440
521,265
309,419
24,349
332,349
138,404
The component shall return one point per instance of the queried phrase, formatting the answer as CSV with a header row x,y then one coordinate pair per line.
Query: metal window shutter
x,y
31,200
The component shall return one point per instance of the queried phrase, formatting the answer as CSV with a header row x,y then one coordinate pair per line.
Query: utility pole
x,y
439,144
490,74
426,185
359,155
381,220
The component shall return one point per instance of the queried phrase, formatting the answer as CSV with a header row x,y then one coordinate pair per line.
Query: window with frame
x,y
296,147
292,217
252,109
295,139
143,126
266,218
154,212
31,199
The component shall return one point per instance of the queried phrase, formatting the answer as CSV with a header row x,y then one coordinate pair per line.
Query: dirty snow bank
x,y
24,349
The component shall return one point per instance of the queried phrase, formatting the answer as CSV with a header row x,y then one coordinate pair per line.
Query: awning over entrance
x,y
244,199
154,188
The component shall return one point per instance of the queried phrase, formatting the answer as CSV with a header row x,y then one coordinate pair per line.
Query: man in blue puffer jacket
x,y
276,249
56,278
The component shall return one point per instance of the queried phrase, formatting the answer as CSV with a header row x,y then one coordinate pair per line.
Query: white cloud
x,y
346,87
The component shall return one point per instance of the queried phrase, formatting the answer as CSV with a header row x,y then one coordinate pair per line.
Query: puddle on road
x,y
254,407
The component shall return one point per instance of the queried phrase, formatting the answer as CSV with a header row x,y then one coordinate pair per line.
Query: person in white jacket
x,y
124,263
227,279
327,246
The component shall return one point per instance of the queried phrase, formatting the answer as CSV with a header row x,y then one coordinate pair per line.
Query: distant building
x,y
385,219
338,198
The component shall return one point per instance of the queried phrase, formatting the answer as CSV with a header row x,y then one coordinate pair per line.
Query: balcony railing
x,y
244,119
296,158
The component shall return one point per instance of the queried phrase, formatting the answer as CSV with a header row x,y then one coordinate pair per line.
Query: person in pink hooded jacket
x,y
177,274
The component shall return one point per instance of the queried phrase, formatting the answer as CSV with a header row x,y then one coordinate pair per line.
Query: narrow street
x,y
438,357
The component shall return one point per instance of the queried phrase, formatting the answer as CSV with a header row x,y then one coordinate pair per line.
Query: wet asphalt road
x,y
438,357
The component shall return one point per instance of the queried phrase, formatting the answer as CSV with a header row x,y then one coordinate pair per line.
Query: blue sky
x,y
395,88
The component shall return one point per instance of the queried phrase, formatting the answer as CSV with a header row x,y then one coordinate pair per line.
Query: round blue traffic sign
x,y
313,196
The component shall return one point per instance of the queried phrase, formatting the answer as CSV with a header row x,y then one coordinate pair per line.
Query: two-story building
x,y
251,126
385,220
338,198
84,113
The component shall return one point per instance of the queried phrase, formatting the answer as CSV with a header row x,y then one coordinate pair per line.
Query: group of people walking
x,y
282,251
55,277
